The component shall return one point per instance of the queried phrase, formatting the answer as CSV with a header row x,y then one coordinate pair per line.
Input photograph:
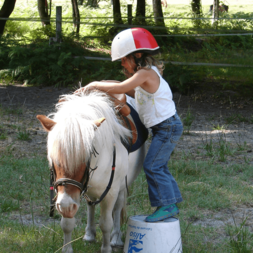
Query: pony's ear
x,y
98,122
46,122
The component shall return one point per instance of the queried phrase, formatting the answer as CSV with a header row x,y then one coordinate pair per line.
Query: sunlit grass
x,y
205,186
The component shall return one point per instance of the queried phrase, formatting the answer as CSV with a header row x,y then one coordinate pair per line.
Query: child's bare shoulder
x,y
146,71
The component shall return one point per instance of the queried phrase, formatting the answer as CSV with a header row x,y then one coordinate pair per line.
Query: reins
x,y
93,203
83,186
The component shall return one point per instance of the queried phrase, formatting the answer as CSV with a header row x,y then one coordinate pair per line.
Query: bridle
x,y
83,185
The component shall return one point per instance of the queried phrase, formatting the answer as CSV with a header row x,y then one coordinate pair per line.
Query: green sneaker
x,y
162,213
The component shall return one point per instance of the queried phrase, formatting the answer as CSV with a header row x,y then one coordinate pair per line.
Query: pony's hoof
x,y
117,248
89,238
116,240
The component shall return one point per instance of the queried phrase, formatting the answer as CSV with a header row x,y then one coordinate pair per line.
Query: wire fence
x,y
69,20
90,17
177,63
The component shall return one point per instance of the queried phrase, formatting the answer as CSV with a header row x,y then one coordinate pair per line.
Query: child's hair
x,y
145,62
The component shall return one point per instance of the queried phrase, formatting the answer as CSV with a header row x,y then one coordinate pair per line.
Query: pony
x,y
85,145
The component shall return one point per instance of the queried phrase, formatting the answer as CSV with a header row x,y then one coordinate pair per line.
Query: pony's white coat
x,y
75,129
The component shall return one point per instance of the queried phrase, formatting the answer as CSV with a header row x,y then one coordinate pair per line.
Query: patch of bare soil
x,y
212,117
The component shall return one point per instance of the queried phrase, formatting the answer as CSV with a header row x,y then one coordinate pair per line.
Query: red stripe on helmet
x,y
143,39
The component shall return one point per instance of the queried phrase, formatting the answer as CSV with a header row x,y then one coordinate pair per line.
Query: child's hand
x,y
88,87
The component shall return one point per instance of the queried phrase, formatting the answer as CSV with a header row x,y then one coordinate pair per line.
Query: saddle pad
x,y
141,130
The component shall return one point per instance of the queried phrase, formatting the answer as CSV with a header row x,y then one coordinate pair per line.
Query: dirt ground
x,y
210,112
215,115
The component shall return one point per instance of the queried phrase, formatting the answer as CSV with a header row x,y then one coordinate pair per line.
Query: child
x,y
156,110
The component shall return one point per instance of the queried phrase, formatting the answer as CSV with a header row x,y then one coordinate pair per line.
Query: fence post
x,y
215,12
58,23
129,14
57,39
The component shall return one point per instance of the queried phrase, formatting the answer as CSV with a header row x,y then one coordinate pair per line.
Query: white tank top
x,y
153,108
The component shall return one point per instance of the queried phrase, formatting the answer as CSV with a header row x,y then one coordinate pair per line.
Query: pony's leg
x,y
67,225
106,222
116,233
90,230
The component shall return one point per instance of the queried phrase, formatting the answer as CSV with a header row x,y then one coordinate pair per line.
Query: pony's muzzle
x,y
66,206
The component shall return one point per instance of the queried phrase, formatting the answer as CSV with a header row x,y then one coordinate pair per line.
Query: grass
x,y
208,187
3,134
221,149
14,111
240,238
10,110
23,135
187,121
218,127
238,118
212,182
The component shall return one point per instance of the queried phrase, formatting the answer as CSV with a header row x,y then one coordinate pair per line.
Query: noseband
x,y
81,186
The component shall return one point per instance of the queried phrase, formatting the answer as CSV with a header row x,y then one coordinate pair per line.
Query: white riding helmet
x,y
132,40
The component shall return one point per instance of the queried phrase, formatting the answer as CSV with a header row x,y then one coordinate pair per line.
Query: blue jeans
x,y
162,187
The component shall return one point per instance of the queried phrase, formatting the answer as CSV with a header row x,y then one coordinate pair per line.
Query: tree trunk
x,y
76,16
5,12
43,12
196,6
116,12
197,11
92,3
140,12
158,13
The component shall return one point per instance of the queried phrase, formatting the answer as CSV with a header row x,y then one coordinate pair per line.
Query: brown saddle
x,y
124,111
120,103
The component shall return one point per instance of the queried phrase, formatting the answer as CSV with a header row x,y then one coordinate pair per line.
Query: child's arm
x,y
129,93
129,84
110,81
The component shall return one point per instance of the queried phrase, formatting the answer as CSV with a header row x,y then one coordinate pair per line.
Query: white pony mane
x,y
70,143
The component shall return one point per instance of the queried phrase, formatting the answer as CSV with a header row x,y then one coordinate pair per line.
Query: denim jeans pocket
x,y
162,133
177,131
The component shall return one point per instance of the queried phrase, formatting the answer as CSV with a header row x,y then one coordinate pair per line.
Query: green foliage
x,y
180,78
108,71
41,63
25,55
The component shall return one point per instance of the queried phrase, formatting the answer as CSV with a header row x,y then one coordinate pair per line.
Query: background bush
x,y
26,57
